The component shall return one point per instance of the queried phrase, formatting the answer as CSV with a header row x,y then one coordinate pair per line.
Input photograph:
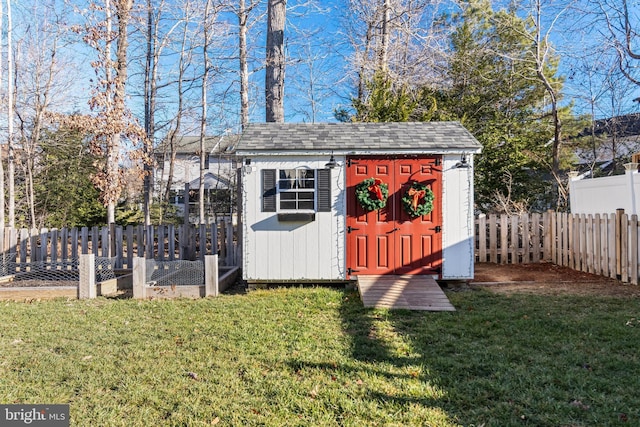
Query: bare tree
x,y
40,79
243,12
400,38
2,191
275,60
10,118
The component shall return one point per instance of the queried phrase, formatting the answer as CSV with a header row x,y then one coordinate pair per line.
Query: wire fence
x,y
166,273
61,270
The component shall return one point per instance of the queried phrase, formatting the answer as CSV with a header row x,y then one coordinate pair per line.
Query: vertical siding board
x,y
54,245
515,240
141,241
95,231
526,249
73,237
547,235
84,235
482,238
624,247
604,259
611,247
553,238
493,244
597,245
119,247
28,245
171,242
44,244
160,236
566,230
105,240
64,243
535,237
130,246
504,235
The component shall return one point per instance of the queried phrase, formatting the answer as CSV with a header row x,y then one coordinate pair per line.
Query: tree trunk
x,y
2,193
203,118
384,47
149,98
275,61
243,16
10,114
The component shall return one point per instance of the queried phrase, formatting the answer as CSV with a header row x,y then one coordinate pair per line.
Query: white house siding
x,y
606,194
290,251
457,221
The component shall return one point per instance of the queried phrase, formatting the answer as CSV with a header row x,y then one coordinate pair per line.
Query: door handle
x,y
437,228
391,231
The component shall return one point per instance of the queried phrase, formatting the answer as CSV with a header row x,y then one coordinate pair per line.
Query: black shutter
x,y
324,190
268,190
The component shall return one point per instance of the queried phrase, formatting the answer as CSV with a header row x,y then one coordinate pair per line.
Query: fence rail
x,y
600,244
164,243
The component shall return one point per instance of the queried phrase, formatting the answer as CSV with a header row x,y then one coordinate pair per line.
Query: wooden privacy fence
x,y
164,243
602,244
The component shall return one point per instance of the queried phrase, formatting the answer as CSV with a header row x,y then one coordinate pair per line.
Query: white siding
x,y
457,221
289,251
308,251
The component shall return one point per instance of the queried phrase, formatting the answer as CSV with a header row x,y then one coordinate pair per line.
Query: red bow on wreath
x,y
417,195
375,189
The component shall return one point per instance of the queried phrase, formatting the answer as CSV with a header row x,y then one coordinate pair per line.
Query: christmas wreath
x,y
418,200
372,194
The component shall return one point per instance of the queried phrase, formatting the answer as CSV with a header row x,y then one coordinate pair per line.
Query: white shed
x,y
327,202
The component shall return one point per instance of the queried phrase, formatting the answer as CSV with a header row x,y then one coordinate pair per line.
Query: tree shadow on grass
x,y
496,361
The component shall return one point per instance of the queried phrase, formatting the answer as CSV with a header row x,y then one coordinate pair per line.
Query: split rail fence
x,y
606,245
163,243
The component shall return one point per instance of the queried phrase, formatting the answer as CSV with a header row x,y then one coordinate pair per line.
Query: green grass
x,y
301,357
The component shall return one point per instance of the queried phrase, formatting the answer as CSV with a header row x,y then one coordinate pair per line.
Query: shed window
x,y
297,189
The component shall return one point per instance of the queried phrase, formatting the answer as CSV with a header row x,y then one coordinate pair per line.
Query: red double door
x,y
389,240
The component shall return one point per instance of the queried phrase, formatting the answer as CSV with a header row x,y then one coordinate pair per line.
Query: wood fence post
x,y
211,276
139,278
87,286
230,247
618,225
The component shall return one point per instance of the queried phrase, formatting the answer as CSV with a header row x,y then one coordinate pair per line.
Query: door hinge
x,y
350,229
437,228
350,271
438,161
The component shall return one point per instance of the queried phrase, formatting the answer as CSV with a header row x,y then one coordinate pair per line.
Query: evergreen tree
x,y
64,193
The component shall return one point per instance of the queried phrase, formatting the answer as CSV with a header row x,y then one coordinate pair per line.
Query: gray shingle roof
x,y
357,137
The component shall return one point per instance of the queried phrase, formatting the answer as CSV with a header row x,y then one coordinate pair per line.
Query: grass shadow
x,y
500,360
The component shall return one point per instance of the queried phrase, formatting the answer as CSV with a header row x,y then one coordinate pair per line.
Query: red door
x,y
389,240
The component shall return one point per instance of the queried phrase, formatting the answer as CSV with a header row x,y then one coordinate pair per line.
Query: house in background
x,y
302,218
614,141
184,176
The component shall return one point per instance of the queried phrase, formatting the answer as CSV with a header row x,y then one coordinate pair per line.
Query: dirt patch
x,y
547,279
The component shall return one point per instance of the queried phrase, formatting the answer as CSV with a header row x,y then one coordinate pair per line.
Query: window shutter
x,y
324,190
268,190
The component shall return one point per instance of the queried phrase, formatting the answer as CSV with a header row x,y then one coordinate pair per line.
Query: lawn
x,y
314,356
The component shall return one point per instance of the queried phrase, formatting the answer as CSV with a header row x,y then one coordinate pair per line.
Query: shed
x,y
302,221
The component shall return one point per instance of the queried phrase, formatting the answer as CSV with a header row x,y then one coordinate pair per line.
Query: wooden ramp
x,y
403,292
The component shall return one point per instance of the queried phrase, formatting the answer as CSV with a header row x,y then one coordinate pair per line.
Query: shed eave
x,y
356,152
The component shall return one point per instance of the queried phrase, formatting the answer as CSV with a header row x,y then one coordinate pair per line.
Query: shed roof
x,y
422,137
